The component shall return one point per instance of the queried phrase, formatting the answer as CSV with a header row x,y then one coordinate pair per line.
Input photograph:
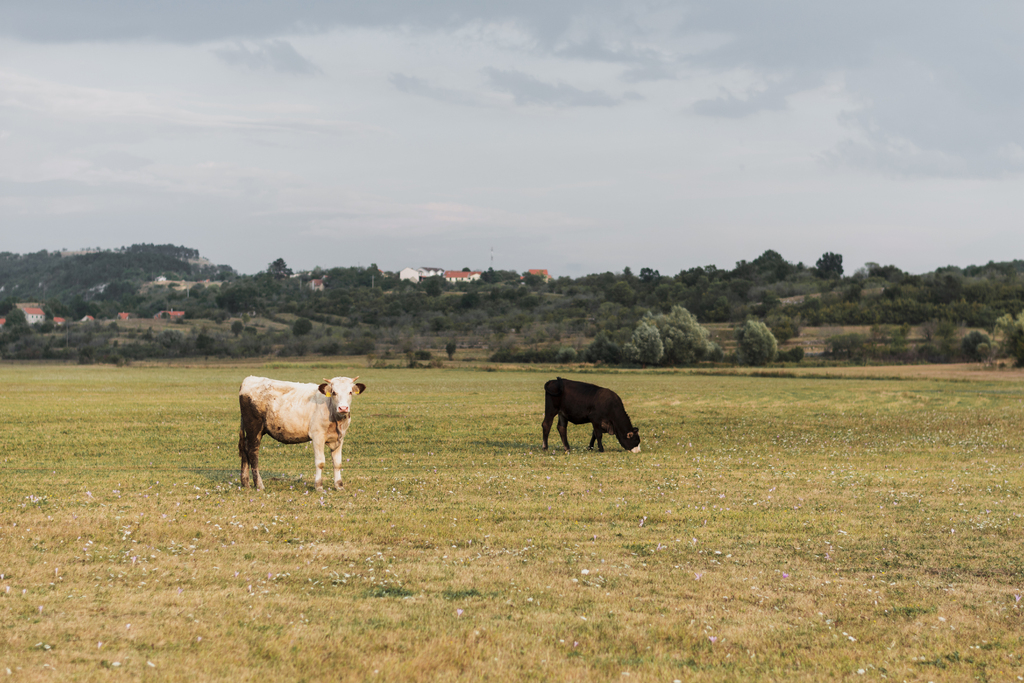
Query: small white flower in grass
x,y
584,571
1016,598
713,639
40,609
151,664
199,639
697,576
861,671
458,612
99,645
127,626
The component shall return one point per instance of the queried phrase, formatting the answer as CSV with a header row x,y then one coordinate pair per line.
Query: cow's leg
x,y
243,455
254,462
596,436
545,427
336,456
563,430
318,461
249,434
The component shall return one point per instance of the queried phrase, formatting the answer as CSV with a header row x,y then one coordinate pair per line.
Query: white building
x,y
455,276
417,274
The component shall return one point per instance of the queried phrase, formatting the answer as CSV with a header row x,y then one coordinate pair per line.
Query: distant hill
x,y
100,275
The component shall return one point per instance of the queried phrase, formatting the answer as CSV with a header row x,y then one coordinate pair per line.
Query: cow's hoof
x,y
338,487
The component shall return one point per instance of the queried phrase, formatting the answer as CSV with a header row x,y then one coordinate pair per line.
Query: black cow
x,y
579,402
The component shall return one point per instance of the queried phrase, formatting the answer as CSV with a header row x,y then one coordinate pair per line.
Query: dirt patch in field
x,y
952,371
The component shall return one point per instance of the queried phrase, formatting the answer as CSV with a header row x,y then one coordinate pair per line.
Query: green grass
x,y
772,528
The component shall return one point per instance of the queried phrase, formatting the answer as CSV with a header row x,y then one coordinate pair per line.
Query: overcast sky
x,y
579,136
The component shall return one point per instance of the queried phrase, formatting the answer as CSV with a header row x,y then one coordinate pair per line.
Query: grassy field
x,y
797,528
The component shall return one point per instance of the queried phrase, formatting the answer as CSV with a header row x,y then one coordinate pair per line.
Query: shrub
x,y
755,344
602,350
793,355
646,348
1012,330
566,354
302,326
684,340
849,345
976,345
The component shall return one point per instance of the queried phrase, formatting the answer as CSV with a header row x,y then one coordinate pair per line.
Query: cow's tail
x,y
554,386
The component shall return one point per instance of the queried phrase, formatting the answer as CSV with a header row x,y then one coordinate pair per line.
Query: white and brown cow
x,y
291,412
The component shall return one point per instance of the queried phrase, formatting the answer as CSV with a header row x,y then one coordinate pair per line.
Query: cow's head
x,y
339,392
630,440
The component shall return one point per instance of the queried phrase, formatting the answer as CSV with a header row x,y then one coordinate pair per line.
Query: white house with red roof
x,y
455,276
33,314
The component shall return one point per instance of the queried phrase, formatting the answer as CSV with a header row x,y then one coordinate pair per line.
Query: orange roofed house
x,y
33,314
540,272
454,276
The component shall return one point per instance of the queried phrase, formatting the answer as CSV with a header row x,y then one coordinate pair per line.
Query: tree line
x,y
642,318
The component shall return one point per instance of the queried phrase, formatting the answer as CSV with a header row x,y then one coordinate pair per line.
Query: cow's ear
x,y
360,388
629,435
324,389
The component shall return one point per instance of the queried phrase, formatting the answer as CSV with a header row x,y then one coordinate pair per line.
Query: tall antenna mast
x,y
492,258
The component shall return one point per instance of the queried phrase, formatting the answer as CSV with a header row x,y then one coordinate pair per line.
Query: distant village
x,y
453,276
35,314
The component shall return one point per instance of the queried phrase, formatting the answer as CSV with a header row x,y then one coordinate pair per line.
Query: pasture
x,y
771,528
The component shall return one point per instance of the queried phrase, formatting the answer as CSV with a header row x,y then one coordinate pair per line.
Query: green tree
x,y
279,269
1012,331
237,327
646,347
621,293
755,343
976,345
450,348
302,326
685,341
830,266
432,286
603,350
16,326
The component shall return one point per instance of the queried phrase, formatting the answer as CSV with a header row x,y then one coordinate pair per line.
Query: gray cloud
x,y
643,64
526,89
930,80
195,21
276,55
729,106
417,86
